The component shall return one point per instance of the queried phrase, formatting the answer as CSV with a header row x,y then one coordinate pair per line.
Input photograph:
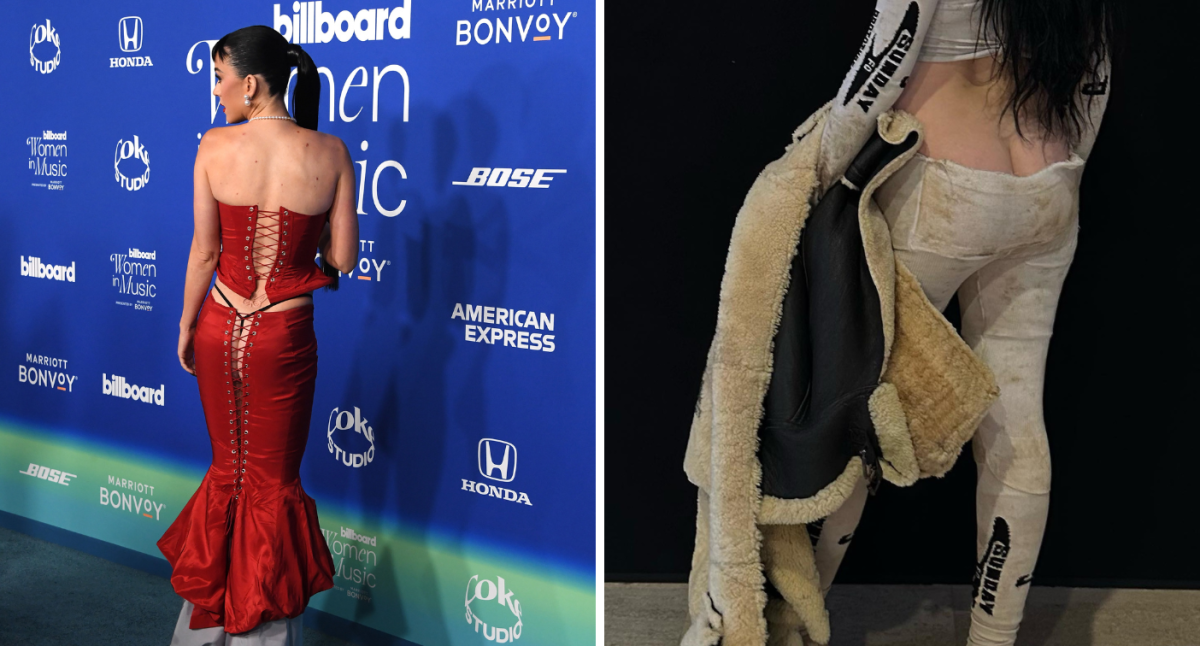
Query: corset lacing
x,y
266,243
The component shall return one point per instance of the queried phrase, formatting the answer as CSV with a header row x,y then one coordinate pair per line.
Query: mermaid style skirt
x,y
247,547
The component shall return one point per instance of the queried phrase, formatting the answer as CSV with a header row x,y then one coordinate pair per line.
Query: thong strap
x,y
264,307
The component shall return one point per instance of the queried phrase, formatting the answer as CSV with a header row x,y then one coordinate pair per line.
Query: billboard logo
x,y
119,387
485,590
132,277
130,33
131,150
309,24
44,34
46,159
354,560
44,377
489,468
50,475
35,268
345,421
510,177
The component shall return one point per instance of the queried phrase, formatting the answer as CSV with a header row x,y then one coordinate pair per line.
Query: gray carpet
x,y
58,596
655,614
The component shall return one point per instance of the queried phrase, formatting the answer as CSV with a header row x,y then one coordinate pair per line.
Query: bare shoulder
x,y
332,145
214,142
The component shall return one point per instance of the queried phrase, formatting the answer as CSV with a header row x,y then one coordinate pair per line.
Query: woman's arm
x,y
202,260
340,250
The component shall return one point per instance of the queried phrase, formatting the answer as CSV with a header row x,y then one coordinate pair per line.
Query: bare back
x,y
960,104
273,165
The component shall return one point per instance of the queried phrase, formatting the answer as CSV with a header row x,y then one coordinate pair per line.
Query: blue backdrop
x,y
457,362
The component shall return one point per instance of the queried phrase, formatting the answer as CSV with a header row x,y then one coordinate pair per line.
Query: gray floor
x,y
655,614
58,596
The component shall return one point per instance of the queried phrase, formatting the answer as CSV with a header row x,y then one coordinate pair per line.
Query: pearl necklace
x,y
270,117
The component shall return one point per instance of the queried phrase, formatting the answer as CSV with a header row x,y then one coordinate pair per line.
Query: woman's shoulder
x,y
330,142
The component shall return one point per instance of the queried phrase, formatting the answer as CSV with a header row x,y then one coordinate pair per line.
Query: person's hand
x,y
187,357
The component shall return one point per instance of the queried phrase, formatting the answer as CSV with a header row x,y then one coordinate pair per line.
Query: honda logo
x,y
130,33
497,457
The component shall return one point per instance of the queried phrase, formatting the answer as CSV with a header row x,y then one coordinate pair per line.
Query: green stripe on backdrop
x,y
410,584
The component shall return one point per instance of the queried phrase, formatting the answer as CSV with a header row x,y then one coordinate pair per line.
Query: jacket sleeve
x,y
875,81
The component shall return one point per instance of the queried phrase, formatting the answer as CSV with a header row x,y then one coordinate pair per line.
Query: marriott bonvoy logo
x,y
310,24
38,56
46,372
131,502
536,26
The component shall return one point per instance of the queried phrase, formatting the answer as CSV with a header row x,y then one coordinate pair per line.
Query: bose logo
x,y
52,475
511,177
130,33
487,462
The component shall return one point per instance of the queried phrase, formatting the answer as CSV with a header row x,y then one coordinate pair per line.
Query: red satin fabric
x,y
276,246
247,548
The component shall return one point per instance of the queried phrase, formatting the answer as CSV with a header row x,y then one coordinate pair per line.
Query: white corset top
x,y
953,32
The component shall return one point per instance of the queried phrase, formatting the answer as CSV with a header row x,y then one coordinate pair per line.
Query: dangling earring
x,y
247,98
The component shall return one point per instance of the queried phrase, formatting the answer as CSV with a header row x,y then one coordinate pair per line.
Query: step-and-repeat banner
x,y
452,445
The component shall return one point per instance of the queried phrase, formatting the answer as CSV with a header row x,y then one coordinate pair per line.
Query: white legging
x,y
281,632
1004,243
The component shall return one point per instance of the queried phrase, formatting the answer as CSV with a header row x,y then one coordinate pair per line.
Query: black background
x,y
699,98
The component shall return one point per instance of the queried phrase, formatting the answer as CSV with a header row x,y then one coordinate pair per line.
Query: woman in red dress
x,y
246,551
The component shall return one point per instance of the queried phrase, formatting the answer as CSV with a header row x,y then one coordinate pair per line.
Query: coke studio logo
x,y
39,35
136,151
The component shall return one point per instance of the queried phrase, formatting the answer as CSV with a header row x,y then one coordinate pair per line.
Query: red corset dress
x,y
247,547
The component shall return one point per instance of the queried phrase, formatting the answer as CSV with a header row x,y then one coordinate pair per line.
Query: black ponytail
x,y
306,100
264,51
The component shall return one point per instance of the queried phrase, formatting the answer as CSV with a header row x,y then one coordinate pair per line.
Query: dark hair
x,y
1047,48
264,51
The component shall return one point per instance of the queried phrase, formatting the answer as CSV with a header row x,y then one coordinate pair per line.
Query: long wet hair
x,y
1047,49
264,51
